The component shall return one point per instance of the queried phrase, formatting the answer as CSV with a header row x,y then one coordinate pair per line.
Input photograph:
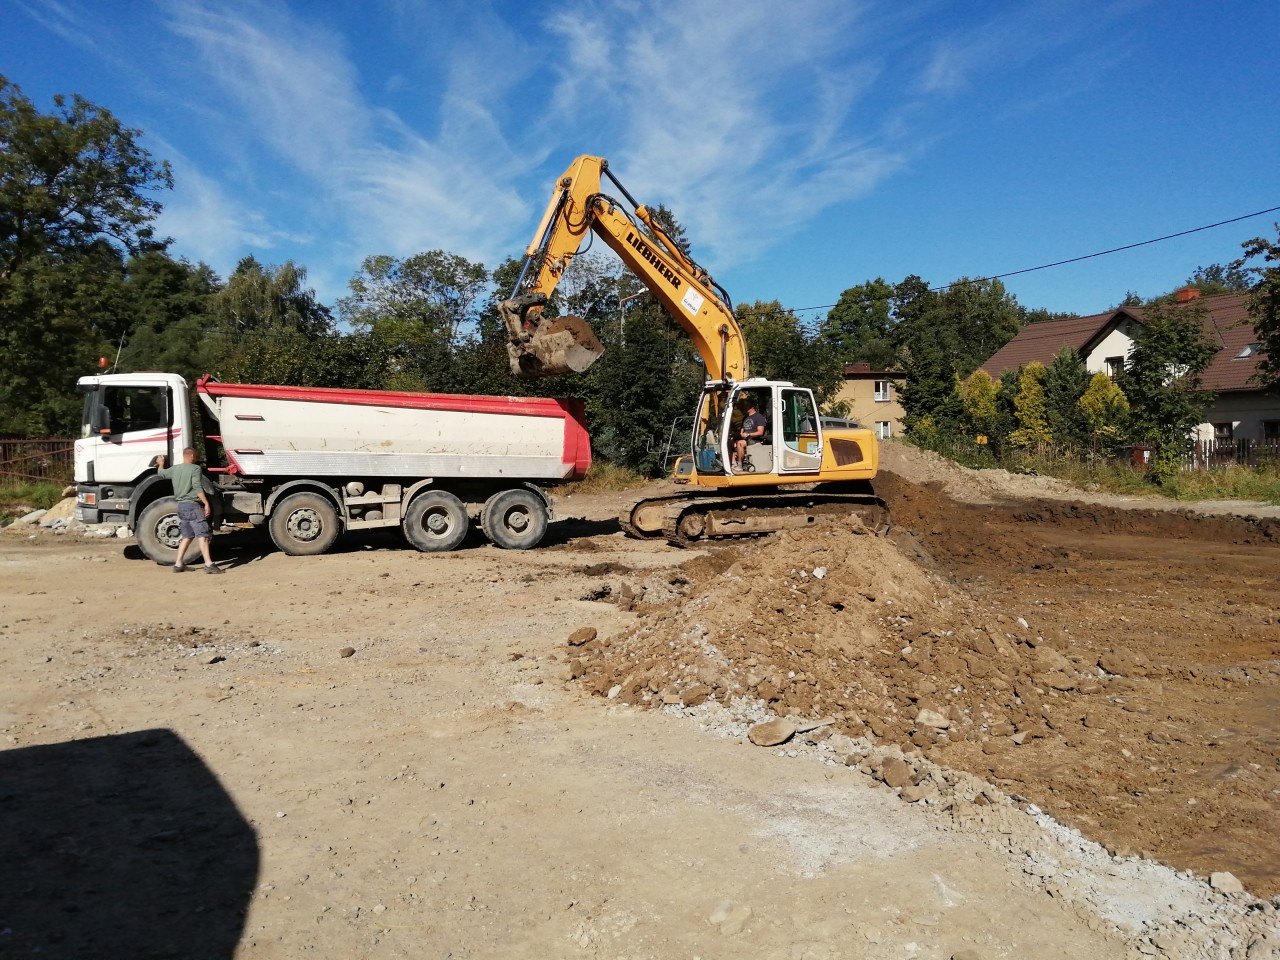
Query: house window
x,y
1247,352
1223,431
884,429
883,391
1114,366
1271,429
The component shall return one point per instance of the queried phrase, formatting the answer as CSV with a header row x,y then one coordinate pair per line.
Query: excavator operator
x,y
753,427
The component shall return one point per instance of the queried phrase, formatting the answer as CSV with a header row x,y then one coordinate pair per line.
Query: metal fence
x,y
48,460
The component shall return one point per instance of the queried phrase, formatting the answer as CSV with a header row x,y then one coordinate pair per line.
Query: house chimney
x,y
1187,294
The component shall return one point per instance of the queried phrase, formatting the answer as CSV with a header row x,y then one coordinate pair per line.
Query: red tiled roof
x,y
1226,322
1041,341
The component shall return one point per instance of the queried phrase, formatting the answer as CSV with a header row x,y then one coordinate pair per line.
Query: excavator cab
x,y
792,438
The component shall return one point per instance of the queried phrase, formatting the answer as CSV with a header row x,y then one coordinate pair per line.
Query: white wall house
x,y
1241,410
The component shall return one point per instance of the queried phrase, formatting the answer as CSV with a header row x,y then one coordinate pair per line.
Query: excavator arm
x,y
548,346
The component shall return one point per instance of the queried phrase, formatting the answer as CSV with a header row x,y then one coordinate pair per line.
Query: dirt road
x,y
379,753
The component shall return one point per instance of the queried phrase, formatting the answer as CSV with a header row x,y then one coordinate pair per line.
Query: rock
x,y
966,955
582,635
347,652
1225,882
931,718
734,923
31,517
916,793
895,772
695,694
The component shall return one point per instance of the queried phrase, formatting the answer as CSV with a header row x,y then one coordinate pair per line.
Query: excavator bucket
x,y
547,347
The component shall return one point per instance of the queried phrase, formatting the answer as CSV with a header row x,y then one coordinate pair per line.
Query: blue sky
x,y
805,146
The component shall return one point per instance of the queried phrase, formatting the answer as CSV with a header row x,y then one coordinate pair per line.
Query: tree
x,y
271,328
1105,409
1220,278
170,322
978,395
1065,381
781,349
74,200
1264,305
1029,408
69,179
859,327
423,310
1161,379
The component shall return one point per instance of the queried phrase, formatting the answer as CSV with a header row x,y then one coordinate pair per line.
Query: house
x,y
872,398
1242,411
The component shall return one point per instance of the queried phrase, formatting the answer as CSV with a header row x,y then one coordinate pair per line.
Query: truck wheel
x,y
157,532
304,525
515,519
436,522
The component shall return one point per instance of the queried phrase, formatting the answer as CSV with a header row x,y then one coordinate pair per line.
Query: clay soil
x,y
1055,717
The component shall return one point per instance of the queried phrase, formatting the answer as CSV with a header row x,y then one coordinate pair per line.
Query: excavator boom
x,y
541,347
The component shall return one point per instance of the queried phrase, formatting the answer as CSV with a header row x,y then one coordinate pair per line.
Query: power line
x,y
1087,256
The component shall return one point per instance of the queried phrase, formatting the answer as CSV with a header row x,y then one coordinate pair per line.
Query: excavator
x,y
788,476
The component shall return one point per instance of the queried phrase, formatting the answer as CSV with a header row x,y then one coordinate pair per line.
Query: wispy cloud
x,y
749,120
741,117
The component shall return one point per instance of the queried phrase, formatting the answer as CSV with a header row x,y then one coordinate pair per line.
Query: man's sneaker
x,y
179,568
212,568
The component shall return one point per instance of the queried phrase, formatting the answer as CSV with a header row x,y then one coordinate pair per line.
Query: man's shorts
x,y
191,522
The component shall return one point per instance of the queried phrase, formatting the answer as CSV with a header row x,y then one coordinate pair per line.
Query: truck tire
x,y
157,533
515,519
304,524
436,522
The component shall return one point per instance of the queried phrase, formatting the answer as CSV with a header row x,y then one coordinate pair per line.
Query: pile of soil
x,y
955,640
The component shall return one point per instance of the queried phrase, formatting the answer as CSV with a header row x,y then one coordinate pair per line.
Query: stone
x,y
931,718
347,652
895,772
582,635
1225,882
916,793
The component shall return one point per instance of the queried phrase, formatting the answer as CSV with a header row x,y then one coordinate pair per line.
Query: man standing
x,y
193,507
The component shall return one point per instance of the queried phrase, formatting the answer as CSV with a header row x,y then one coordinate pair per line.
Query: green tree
x,y
859,328
424,310
171,326
1220,278
1029,408
1065,381
978,394
1264,305
1105,409
1161,379
781,349
74,199
271,328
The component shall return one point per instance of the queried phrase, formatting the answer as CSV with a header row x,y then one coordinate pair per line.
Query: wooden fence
x,y
47,460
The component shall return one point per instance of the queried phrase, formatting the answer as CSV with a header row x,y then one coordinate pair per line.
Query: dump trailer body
x,y
275,431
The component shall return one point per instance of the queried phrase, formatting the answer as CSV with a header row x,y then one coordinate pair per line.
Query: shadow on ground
x,y
121,847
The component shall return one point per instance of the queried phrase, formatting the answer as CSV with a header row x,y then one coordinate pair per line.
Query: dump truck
x,y
312,463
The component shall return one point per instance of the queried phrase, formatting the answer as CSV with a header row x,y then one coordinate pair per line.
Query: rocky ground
x,y
1054,735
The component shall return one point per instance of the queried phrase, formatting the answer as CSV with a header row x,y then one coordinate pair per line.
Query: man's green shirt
x,y
186,481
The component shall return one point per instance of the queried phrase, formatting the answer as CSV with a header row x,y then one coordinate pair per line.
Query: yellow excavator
x,y
744,480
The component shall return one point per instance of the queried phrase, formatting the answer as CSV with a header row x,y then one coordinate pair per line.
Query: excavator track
x,y
689,519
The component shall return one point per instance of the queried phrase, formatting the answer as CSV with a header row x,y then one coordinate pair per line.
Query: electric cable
x,y
1087,256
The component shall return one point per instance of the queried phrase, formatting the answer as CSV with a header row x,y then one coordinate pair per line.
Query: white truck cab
x,y
129,419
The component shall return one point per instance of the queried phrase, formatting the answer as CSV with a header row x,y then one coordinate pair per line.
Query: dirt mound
x,y
1032,644
814,625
